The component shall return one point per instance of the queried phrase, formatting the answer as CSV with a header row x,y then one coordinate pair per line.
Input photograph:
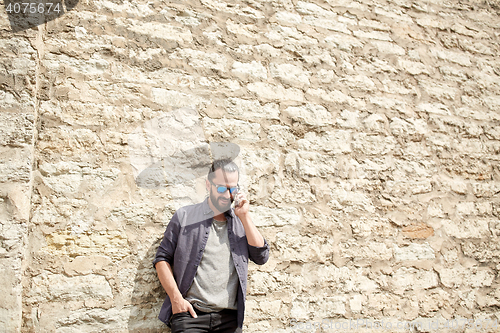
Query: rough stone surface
x,y
367,134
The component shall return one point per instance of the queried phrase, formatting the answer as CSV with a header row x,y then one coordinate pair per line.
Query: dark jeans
x,y
207,322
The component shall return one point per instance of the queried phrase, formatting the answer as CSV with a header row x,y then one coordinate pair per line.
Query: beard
x,y
221,207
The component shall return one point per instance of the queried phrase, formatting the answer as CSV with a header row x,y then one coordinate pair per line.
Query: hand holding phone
x,y
237,200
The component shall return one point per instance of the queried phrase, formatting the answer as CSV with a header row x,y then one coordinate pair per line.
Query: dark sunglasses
x,y
222,188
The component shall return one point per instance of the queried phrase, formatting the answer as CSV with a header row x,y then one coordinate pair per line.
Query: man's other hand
x,y
181,305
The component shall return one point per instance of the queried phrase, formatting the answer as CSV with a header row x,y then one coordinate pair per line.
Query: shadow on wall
x,y
26,14
147,297
169,151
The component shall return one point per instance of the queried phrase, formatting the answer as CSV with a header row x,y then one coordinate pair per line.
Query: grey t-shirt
x,y
215,285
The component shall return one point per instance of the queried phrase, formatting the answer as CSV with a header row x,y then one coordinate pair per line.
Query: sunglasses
x,y
222,188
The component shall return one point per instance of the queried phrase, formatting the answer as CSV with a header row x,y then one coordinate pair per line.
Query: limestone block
x,y
327,23
378,35
434,108
272,308
297,192
359,82
14,103
492,102
250,109
344,42
266,217
201,60
307,8
388,47
371,251
113,244
394,87
310,164
87,320
267,51
253,70
439,91
414,251
238,29
466,209
55,287
482,251
359,282
386,103
356,303
375,25
330,306
262,283
260,163
15,165
350,200
411,127
476,47
238,10
282,135
317,57
290,74
373,227
333,96
413,67
484,208
16,129
175,99
467,228
300,310
310,114
455,57
485,190
86,265
269,92
375,123
78,179
288,18
453,73
232,130
394,13
373,144
459,277
433,22
325,76
335,142
413,279
160,30
280,35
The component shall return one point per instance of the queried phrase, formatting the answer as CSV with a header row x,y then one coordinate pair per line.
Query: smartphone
x,y
235,201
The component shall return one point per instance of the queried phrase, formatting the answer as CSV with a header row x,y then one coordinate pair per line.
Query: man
x,y
202,262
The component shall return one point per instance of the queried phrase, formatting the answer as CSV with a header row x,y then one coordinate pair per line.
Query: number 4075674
x,y
33,8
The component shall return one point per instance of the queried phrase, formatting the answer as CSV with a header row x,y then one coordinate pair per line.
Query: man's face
x,y
222,201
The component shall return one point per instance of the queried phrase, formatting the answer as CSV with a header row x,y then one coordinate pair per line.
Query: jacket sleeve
x,y
259,255
167,247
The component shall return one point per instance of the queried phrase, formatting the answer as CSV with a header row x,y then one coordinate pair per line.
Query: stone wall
x,y
368,133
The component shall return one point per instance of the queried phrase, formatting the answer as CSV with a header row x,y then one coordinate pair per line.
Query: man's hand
x,y
254,237
166,276
181,305
243,205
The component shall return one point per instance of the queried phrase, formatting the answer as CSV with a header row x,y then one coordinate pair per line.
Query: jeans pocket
x,y
178,322
180,314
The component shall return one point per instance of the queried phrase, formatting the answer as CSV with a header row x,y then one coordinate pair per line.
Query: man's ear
x,y
207,184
